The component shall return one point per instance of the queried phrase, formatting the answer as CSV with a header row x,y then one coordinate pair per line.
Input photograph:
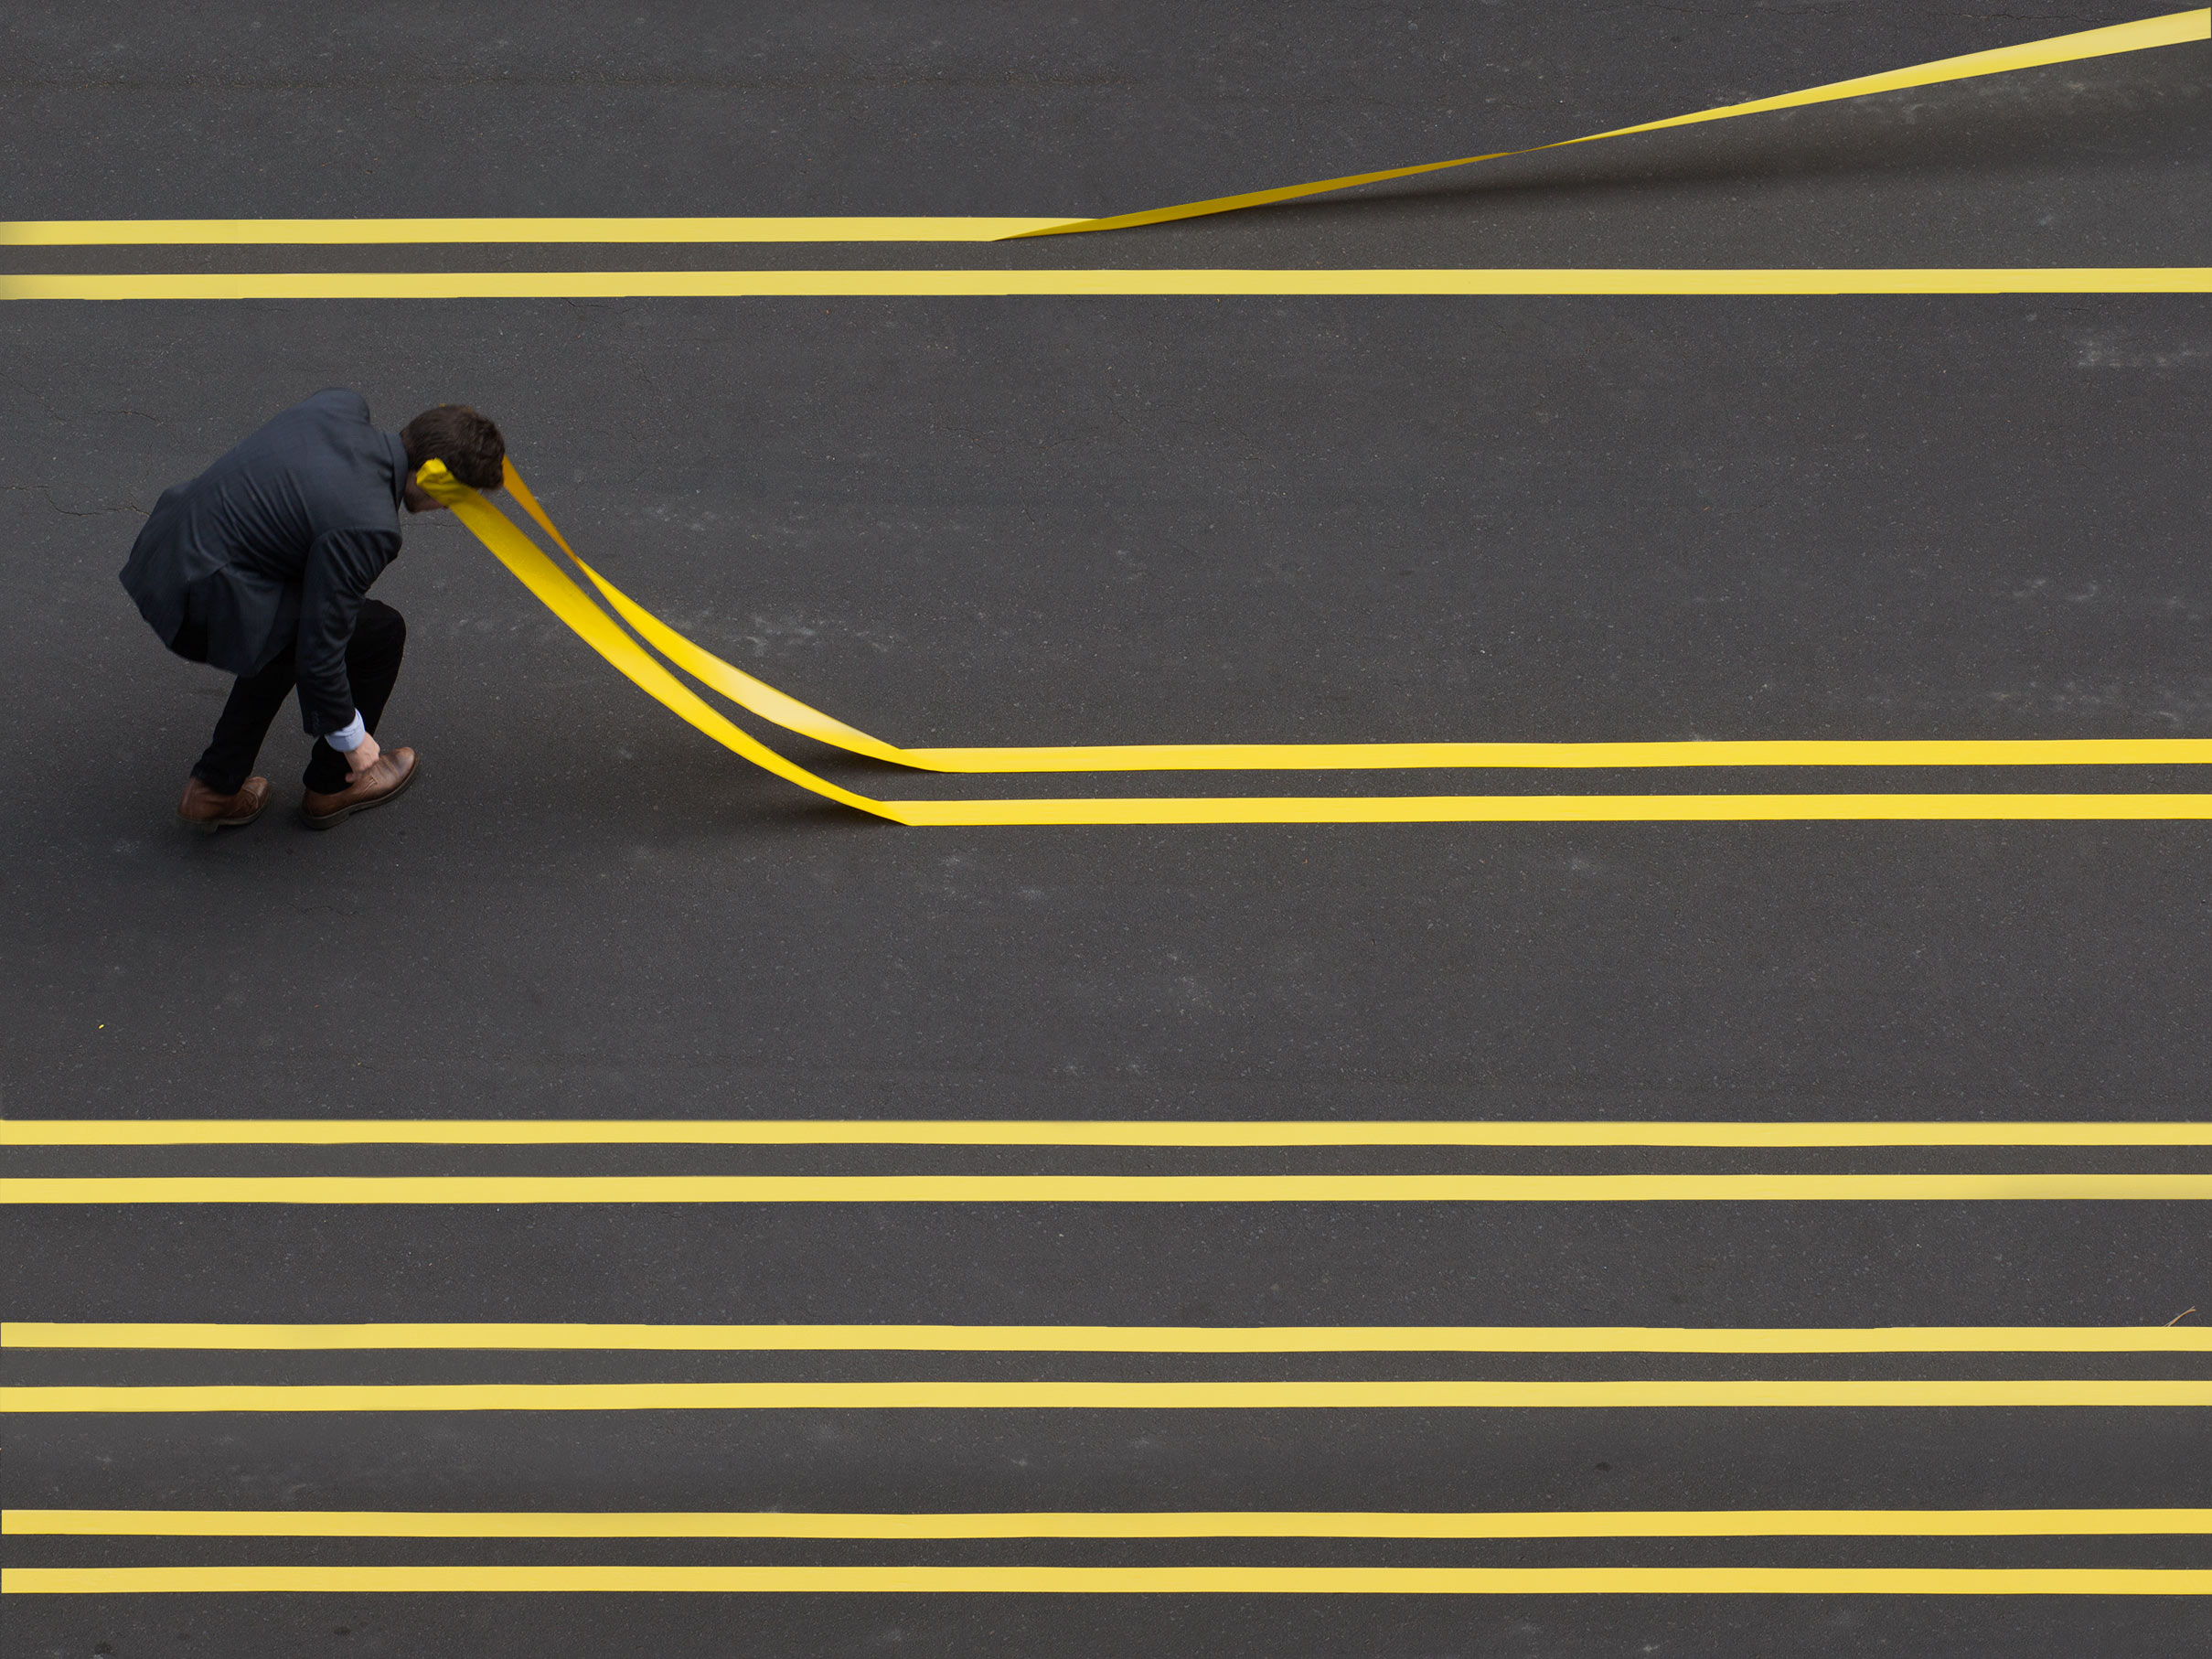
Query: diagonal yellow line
x,y
2174,29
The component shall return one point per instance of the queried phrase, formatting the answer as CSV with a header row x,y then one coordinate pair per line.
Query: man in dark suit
x,y
261,567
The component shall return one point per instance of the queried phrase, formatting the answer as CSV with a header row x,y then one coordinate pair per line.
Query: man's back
x,y
219,568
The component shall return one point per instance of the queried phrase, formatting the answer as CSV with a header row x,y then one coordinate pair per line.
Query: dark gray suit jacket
x,y
275,546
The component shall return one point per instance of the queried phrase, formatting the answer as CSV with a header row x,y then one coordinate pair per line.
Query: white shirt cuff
x,y
347,737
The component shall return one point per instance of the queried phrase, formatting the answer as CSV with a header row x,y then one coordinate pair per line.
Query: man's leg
x,y
372,666
244,722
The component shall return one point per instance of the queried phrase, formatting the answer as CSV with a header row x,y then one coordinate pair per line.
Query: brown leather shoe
x,y
204,810
394,770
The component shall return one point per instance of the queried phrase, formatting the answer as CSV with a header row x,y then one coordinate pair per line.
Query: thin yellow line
x,y
1271,1395
1714,751
1126,1339
1546,809
267,232
987,1131
1094,1189
1123,1581
828,285
1227,1524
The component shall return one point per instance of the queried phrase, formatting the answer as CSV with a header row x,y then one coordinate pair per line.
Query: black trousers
x,y
372,663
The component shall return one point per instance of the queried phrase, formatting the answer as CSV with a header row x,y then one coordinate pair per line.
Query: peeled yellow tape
x,y
560,595
2174,29
2171,30
599,630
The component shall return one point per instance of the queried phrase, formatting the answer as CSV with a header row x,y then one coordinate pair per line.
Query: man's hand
x,y
362,757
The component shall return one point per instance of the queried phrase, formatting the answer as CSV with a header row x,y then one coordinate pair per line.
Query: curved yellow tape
x,y
758,697
537,573
2171,30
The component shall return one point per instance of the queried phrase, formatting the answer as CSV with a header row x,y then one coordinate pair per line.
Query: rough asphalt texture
x,y
1085,520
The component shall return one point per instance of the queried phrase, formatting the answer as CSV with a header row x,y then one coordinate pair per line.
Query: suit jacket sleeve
x,y
340,566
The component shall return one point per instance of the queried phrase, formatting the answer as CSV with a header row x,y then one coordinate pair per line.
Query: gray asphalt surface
x,y
1082,521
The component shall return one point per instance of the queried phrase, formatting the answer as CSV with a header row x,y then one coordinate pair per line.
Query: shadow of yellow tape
x,y
536,571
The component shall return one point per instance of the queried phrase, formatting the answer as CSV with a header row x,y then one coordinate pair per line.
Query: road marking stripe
x,y
902,283
1086,1523
1119,1580
1270,1396
300,232
989,1131
1127,1339
2057,1186
988,284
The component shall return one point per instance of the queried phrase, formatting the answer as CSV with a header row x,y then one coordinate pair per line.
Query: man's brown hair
x,y
470,446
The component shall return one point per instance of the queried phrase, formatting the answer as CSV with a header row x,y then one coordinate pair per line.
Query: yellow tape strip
x,y
1129,1339
1638,1394
997,1131
350,232
945,285
757,697
536,572
1121,1581
2172,30
1084,1523
1098,1189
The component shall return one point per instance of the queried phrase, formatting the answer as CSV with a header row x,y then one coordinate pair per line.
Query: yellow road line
x,y
1549,756
328,232
831,284
992,1131
1124,1580
1127,1339
1096,1189
1086,1523
1550,809
1270,1396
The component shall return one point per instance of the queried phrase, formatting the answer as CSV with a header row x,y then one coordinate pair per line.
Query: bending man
x,y
261,567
